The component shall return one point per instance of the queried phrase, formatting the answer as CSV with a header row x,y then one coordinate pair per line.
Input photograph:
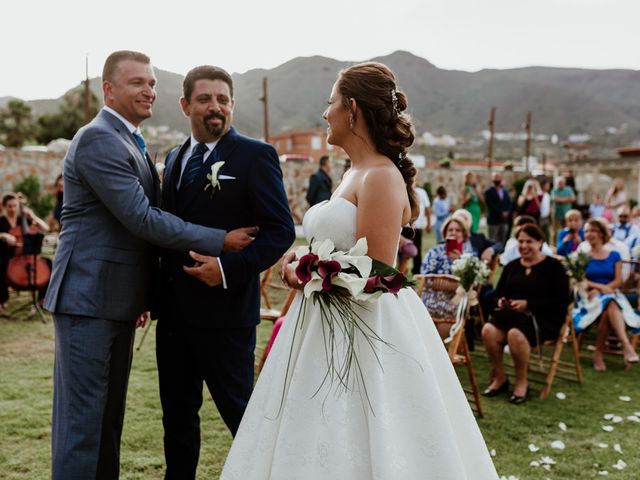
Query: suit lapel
x,y
149,173
172,174
221,153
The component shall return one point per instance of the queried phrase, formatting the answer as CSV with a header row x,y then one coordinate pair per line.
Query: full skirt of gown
x,y
404,416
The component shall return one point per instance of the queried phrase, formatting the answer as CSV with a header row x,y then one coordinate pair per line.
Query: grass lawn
x,y
26,366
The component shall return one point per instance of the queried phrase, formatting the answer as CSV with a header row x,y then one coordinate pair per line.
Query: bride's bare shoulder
x,y
382,176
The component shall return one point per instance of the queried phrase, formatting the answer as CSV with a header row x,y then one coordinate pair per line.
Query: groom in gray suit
x,y
104,268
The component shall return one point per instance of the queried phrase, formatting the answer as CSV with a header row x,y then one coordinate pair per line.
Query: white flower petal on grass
x,y
620,465
603,445
634,418
608,416
603,473
617,419
548,461
562,426
533,447
492,452
624,398
534,463
557,444
617,447
546,467
637,414
561,396
607,428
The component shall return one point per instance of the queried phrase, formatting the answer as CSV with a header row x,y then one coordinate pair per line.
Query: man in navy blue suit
x,y
209,306
498,209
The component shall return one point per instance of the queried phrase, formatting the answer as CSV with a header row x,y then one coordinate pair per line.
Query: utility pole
x,y
87,95
265,108
492,117
528,144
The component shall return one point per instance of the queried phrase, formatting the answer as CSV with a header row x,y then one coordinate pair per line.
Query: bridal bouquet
x,y
341,283
576,264
470,270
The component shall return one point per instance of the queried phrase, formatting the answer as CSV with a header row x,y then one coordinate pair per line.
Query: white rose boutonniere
x,y
214,182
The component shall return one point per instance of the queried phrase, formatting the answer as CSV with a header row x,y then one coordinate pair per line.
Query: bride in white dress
x,y
413,421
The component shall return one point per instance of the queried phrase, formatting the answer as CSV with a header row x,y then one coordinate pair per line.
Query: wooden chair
x,y
457,349
613,347
267,282
272,315
546,361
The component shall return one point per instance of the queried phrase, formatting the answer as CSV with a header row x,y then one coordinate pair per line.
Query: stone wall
x,y
18,164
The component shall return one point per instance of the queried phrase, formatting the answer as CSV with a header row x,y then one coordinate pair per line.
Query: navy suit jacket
x,y
251,193
106,261
495,206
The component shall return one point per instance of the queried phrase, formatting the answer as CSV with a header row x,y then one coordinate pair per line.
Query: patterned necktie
x,y
140,141
194,164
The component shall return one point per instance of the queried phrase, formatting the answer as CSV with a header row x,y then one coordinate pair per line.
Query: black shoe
x,y
492,392
516,400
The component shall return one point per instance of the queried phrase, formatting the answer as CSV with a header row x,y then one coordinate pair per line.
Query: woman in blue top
x,y
603,300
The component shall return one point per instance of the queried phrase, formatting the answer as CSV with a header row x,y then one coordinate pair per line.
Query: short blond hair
x,y
573,213
459,221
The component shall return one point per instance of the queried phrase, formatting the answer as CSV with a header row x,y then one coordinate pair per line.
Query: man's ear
x,y
184,105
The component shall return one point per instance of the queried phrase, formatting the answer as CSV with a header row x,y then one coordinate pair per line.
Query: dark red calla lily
x,y
393,283
327,270
390,283
304,268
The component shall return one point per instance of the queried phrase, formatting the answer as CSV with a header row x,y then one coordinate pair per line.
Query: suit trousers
x,y
91,373
187,357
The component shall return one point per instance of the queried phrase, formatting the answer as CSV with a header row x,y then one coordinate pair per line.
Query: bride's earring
x,y
351,122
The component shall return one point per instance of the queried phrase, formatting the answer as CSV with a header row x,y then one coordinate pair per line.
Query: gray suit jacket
x,y
106,259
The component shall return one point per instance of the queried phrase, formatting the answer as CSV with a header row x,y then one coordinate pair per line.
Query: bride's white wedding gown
x,y
418,425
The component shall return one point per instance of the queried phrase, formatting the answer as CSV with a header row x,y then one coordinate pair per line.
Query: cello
x,y
27,270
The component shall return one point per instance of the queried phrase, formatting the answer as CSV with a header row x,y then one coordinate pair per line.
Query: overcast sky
x,y
43,43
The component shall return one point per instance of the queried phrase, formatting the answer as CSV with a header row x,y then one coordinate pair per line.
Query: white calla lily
x,y
324,249
313,285
353,284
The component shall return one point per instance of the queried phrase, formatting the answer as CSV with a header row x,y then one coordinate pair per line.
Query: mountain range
x,y
562,100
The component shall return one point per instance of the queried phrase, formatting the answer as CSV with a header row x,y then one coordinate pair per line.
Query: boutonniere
x,y
214,182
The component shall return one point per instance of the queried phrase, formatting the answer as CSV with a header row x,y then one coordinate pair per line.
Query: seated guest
x,y
615,245
603,301
624,230
10,222
511,251
485,248
572,235
531,297
438,260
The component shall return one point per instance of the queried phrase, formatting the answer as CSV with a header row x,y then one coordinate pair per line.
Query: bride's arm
x,y
382,204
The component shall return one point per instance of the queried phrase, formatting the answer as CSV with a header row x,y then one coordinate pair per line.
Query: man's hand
x,y
142,320
236,240
206,269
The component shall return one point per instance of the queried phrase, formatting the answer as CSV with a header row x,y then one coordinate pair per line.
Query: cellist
x,y
11,219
